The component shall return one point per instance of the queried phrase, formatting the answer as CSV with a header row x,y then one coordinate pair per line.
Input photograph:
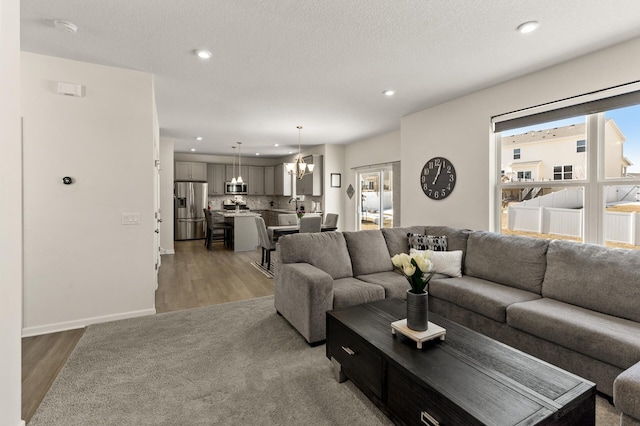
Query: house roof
x,y
577,131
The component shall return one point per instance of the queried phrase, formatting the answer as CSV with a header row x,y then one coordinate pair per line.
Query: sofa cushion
x,y
511,260
396,238
626,391
368,252
324,250
595,277
351,291
394,284
483,297
604,337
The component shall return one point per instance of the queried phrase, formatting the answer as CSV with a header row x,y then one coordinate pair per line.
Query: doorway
x,y
375,198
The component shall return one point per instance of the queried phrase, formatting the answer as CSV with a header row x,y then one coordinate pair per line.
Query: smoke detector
x,y
66,26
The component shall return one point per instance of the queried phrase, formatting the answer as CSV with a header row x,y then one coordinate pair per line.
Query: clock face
x,y
438,178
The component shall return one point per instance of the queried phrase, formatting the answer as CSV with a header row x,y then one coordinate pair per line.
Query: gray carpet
x,y
232,364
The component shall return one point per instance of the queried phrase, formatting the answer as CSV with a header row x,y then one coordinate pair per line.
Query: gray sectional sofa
x,y
574,305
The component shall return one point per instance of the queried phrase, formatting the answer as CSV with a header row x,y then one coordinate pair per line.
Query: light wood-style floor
x,y
190,278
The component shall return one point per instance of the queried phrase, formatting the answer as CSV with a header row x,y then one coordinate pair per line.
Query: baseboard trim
x,y
167,251
81,323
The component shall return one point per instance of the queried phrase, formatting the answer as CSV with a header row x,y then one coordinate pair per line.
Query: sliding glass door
x,y
375,198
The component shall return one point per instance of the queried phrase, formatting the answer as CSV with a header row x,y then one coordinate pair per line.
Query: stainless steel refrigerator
x,y
190,199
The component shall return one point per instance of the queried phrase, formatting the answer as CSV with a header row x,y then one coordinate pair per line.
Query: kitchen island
x,y
244,232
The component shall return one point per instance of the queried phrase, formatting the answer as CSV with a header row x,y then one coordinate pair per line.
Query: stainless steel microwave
x,y
236,188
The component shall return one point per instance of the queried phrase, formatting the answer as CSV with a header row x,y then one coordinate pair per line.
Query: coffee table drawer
x,y
418,405
360,363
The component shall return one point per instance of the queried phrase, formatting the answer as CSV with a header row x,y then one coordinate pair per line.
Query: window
x,y
562,172
570,192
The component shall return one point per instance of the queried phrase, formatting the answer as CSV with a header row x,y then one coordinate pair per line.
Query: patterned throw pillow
x,y
427,242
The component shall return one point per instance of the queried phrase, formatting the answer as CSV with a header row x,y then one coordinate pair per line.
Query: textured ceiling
x,y
320,64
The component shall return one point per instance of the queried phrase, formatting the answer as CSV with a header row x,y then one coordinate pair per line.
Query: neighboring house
x,y
559,153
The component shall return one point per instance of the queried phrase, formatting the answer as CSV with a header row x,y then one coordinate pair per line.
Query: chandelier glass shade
x,y
299,168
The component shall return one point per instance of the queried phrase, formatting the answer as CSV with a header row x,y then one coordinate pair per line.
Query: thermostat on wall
x,y
71,89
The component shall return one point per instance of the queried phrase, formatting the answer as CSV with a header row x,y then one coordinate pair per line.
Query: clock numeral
x,y
431,164
425,187
437,162
449,187
452,178
449,169
444,194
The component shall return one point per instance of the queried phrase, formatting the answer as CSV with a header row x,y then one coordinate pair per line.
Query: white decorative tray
x,y
433,331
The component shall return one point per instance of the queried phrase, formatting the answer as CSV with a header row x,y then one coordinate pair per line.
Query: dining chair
x,y
288,219
213,230
266,243
331,220
310,224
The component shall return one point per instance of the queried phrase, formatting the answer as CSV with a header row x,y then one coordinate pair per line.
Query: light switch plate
x,y
130,218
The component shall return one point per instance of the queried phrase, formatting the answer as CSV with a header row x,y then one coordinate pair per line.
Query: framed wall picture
x,y
336,180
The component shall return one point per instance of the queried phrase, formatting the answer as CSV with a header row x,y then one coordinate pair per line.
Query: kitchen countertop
x,y
241,214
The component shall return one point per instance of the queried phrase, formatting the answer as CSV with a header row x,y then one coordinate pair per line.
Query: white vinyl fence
x,y
619,226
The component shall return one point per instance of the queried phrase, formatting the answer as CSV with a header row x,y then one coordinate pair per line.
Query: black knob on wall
x,y
67,180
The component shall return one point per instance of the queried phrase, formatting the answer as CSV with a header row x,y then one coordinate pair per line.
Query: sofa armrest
x,y
303,294
626,391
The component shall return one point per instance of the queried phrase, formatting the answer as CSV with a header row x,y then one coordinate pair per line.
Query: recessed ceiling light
x,y
276,144
290,152
193,149
389,92
528,27
203,54
198,138
257,153
66,26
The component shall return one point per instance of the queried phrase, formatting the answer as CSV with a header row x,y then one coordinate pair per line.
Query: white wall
x,y
380,149
459,131
166,195
10,215
334,198
81,264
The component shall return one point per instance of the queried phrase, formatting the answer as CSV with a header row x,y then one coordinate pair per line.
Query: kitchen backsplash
x,y
262,202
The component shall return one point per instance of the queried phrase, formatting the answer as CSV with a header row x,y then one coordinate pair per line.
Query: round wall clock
x,y
438,178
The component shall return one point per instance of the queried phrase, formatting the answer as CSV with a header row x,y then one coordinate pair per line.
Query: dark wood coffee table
x,y
467,379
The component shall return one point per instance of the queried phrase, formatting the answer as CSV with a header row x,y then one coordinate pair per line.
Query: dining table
x,y
278,231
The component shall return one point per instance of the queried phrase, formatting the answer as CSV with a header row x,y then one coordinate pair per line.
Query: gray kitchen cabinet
x,y
269,180
256,180
190,171
282,181
272,218
216,178
311,184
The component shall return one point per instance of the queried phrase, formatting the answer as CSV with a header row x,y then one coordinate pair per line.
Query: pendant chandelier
x,y
299,168
239,180
233,180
